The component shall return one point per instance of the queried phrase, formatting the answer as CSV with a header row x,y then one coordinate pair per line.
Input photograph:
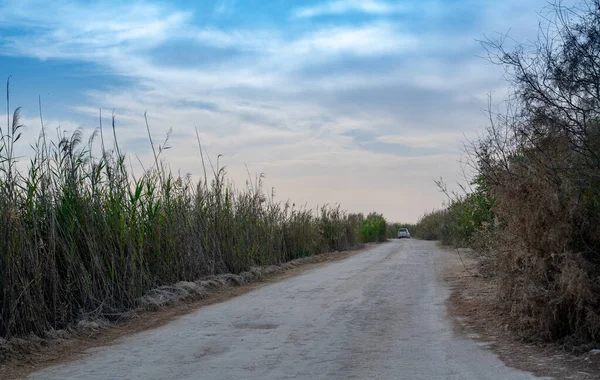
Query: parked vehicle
x,y
403,233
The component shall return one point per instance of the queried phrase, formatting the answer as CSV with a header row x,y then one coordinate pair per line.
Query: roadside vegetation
x,y
82,237
374,228
533,214
462,220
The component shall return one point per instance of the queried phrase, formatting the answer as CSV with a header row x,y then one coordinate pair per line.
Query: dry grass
x,y
543,254
478,314
30,355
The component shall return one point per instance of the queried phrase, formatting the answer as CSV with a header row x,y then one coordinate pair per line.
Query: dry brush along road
x,y
379,314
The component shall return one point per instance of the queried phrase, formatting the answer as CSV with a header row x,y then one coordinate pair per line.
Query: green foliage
x,y
81,236
374,228
459,222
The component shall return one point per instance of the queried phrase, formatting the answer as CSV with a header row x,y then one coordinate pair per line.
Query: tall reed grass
x,y
81,236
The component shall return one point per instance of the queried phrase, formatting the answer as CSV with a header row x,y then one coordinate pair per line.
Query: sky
x,y
362,103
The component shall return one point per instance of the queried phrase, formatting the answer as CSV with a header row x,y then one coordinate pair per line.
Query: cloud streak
x,y
339,7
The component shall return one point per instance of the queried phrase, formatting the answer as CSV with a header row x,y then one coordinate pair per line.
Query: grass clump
x,y
82,237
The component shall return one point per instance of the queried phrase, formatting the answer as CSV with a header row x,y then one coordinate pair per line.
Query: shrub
x,y
374,228
541,164
458,223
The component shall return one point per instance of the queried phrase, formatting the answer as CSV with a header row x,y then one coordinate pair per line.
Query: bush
x,y
374,228
458,223
540,162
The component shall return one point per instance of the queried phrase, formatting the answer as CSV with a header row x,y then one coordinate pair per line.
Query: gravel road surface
x,y
379,314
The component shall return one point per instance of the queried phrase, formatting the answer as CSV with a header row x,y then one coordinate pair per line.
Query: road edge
x,y
472,309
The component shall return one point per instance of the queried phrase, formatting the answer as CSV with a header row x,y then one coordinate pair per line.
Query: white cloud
x,y
344,6
445,140
69,26
223,6
369,40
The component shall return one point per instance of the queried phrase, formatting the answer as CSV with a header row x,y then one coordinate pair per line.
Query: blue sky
x,y
357,102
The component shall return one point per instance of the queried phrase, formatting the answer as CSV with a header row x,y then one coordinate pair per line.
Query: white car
x,y
403,233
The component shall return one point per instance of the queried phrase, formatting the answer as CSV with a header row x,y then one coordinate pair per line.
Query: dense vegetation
x,y
81,237
535,212
374,228
463,219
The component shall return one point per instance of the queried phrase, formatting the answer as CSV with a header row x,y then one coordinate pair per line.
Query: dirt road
x,y
377,315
